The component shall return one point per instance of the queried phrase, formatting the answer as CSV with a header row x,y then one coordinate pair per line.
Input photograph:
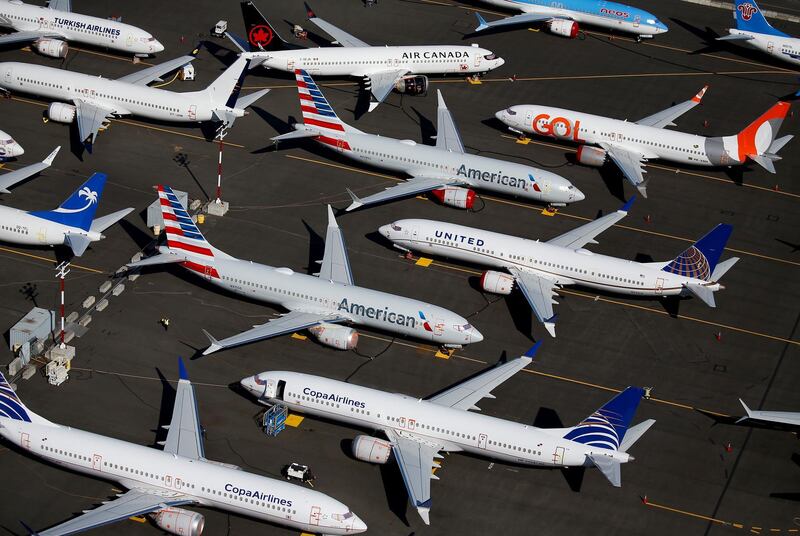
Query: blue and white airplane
x,y
564,17
753,30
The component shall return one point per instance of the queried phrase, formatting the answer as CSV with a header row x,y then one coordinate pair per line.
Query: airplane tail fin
x,y
700,260
749,18
757,140
11,407
224,91
606,428
260,33
183,236
79,208
317,112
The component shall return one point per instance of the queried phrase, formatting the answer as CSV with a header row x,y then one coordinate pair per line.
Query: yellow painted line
x,y
294,420
49,261
687,513
299,337
423,262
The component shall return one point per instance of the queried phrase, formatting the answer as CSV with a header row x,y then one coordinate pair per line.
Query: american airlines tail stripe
x,y
189,247
312,110
201,269
184,233
323,124
341,144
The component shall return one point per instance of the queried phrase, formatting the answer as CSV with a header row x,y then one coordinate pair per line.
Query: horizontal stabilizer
x,y
101,224
77,243
240,43
723,267
161,258
703,292
778,144
763,161
735,37
634,433
246,101
609,467
298,134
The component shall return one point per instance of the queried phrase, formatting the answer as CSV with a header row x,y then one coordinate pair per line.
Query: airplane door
x,y
42,235
412,424
402,421
25,440
193,112
415,232
129,41
7,74
340,144
438,327
477,60
290,64
208,270
636,20
659,285
270,390
770,46
482,439
558,456
316,512
97,462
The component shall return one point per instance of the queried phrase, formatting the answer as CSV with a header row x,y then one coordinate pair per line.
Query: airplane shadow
x,y
795,246
316,248
612,177
548,418
165,410
521,313
427,128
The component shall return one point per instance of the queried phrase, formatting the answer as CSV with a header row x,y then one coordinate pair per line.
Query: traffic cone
x,y
718,336
728,447
776,188
644,499
706,123
648,219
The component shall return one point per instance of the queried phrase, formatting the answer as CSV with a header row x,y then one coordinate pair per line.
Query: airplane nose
x,y
501,115
475,336
384,230
358,525
578,195
158,47
17,150
249,384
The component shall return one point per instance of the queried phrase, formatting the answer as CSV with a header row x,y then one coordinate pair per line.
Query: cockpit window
x,y
651,21
396,227
465,327
7,142
490,57
509,111
342,517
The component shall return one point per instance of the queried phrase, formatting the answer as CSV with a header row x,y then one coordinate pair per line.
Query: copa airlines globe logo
x,y
596,431
85,192
747,10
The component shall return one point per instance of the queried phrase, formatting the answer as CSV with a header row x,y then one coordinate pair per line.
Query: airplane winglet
x,y
627,206
29,530
373,105
532,350
642,187
424,510
214,346
182,370
331,217
748,410
699,96
49,160
440,99
482,24
309,11
356,201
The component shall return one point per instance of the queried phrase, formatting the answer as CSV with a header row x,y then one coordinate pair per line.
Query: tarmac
x,y
690,477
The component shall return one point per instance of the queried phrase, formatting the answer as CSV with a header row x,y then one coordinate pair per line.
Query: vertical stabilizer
x,y
701,258
260,33
606,427
749,18
12,407
79,208
182,232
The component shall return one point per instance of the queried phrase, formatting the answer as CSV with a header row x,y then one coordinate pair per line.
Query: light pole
x,y
61,272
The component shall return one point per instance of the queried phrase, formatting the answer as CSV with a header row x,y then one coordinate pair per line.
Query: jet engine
x,y
371,449
54,48
179,521
60,112
339,337
497,282
455,196
412,85
563,27
591,156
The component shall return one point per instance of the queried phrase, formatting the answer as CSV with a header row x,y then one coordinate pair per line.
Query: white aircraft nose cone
x,y
158,47
475,336
578,195
384,230
249,384
501,115
358,525
16,150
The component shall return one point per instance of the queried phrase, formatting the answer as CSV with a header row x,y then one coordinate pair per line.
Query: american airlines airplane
x,y
159,482
319,304
381,68
539,268
9,148
446,170
753,30
15,177
95,100
563,17
49,28
417,430
630,144
72,224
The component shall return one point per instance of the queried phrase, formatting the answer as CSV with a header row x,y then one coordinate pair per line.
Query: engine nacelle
x,y
590,156
339,337
55,48
60,112
412,85
371,449
455,196
564,28
179,521
497,282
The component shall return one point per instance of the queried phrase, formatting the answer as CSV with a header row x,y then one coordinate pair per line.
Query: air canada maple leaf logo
x,y
260,35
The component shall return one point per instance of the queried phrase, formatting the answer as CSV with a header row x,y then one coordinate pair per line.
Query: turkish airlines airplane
x,y
753,30
417,430
319,303
630,144
446,170
381,68
563,17
49,28
539,268
15,177
9,148
159,482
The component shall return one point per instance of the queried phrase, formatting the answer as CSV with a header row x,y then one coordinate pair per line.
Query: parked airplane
x,y
418,429
539,268
95,100
9,148
782,420
630,144
72,224
13,178
319,304
447,170
49,28
159,482
382,68
563,17
753,30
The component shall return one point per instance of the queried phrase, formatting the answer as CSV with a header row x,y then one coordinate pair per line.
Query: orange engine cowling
x,y
179,521
339,337
590,156
563,27
497,282
454,196
371,449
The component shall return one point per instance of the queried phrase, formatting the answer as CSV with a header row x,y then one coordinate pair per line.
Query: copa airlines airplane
x,y
630,144
49,28
9,148
446,170
753,30
539,268
95,100
382,68
417,429
563,17
319,304
159,482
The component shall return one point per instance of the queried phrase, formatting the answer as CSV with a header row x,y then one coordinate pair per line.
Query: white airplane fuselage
x,y
20,227
783,48
9,148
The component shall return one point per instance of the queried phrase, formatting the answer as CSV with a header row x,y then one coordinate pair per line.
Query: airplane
x,y
539,268
446,170
381,68
319,303
783,420
629,144
564,17
159,482
13,178
753,30
417,430
9,148
72,224
49,28
95,100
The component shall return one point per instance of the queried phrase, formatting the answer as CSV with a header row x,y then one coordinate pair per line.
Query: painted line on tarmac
x,y
50,261
753,529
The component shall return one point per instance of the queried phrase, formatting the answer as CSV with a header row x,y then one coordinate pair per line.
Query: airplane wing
x,y
18,175
735,37
60,5
91,118
525,18
631,163
539,292
129,504
586,234
185,436
381,84
25,37
416,459
341,37
665,118
447,135
413,186
154,73
335,263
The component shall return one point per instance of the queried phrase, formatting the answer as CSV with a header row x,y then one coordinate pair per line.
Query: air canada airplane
x,y
319,304
446,170
417,430
753,30
50,28
160,482
382,68
539,268
629,144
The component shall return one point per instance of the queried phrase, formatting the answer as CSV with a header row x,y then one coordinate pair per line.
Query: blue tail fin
x,y
750,19
10,404
606,427
701,258
79,209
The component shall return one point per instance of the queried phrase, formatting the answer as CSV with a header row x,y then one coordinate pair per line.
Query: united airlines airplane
x,y
446,170
319,304
417,430
753,30
159,482
539,268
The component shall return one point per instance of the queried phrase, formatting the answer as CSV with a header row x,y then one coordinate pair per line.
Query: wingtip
x,y
331,218
550,326
532,350
309,11
182,374
482,25
627,206
214,346
51,156
356,201
746,409
440,98
29,530
373,105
